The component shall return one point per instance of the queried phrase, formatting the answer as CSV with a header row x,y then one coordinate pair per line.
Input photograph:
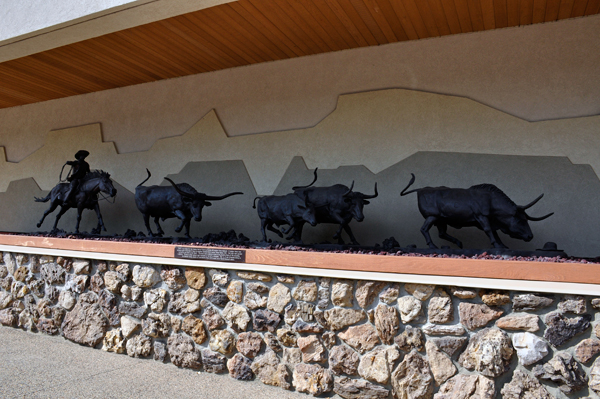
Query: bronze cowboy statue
x,y
80,192
79,169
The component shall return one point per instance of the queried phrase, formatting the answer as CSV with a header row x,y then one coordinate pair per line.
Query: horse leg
x,y
100,221
63,209
79,212
159,230
51,209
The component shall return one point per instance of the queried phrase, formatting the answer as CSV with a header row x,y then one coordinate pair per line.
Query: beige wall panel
x,y
538,72
375,129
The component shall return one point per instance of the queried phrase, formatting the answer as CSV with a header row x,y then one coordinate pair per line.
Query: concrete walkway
x,y
41,366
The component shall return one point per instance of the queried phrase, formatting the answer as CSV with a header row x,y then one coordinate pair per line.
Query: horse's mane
x,y
493,189
95,174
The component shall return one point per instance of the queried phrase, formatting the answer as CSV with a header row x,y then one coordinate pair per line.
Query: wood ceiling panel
x,y
451,16
579,7
552,9
488,13
526,12
501,13
247,32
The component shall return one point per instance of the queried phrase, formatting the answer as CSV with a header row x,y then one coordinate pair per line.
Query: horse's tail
x,y
149,174
45,199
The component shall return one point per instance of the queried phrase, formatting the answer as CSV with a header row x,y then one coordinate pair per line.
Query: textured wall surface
x,y
539,72
380,136
357,339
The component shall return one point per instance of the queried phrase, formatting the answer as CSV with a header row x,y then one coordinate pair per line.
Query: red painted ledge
x,y
476,268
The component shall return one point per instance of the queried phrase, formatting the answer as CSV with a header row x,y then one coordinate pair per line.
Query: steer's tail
x,y
149,174
410,183
45,199
313,182
254,203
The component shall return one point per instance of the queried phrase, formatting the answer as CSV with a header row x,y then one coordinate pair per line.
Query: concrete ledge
x,y
493,274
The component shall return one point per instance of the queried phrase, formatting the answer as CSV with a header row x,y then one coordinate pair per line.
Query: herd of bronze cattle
x,y
484,206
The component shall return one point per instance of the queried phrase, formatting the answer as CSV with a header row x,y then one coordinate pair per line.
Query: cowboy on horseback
x,y
79,168
80,180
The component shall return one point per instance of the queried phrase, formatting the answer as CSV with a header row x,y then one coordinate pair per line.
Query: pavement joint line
x,y
89,377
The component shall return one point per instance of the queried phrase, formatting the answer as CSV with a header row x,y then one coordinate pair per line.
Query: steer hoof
x,y
39,225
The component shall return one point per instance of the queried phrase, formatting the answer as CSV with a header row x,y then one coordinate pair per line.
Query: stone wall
x,y
358,339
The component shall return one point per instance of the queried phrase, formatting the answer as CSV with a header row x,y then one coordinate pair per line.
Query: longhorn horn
x,y
213,198
313,182
534,219
349,191
532,203
182,193
371,196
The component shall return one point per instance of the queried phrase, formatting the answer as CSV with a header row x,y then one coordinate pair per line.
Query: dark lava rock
x,y
302,327
240,367
108,301
349,388
132,309
160,351
48,326
561,329
183,352
266,320
216,296
214,362
563,370
450,345
390,243
86,324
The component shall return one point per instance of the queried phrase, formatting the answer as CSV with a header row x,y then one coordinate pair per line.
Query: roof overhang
x,y
145,41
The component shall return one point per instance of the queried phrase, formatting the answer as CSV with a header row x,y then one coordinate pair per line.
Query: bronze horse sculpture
x,y
86,197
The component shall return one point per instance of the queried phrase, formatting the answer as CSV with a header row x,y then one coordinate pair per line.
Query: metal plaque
x,y
216,254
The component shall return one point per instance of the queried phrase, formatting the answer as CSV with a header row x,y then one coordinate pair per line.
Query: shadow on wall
x,y
571,191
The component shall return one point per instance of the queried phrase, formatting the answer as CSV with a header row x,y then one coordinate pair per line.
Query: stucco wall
x,y
20,17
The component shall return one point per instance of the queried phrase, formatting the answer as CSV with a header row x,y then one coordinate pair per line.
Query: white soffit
x,y
57,25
